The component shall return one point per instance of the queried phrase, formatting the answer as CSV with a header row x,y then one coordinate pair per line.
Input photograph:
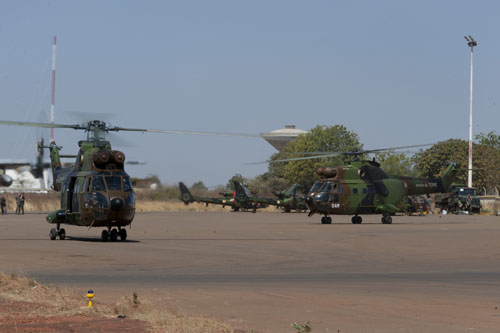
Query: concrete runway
x,y
264,271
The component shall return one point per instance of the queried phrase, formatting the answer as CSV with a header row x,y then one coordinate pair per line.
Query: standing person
x,y
3,204
18,207
21,203
469,203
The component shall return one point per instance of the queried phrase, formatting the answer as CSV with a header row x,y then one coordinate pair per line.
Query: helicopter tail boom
x,y
186,196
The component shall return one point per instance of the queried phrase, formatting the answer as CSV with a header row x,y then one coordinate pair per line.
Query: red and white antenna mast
x,y
53,88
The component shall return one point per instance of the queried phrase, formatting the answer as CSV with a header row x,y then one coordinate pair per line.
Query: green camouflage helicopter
x,y
288,199
362,187
96,190
244,196
188,198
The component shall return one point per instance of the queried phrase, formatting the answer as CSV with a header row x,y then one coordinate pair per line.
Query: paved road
x,y
263,271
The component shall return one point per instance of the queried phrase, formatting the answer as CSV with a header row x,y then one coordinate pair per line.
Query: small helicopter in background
x,y
362,187
96,191
188,198
288,200
247,198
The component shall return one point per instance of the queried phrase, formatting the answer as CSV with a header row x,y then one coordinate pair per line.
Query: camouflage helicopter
x,y
188,198
96,189
245,197
362,187
288,199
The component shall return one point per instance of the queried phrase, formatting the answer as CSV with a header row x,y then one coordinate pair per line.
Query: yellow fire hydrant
x,y
90,295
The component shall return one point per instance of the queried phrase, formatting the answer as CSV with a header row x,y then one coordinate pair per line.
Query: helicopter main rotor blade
x,y
347,153
43,125
184,132
86,126
394,148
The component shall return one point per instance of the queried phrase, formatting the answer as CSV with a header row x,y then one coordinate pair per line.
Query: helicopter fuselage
x,y
97,199
95,191
363,188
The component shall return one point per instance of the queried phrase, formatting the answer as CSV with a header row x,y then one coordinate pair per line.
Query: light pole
x,y
471,42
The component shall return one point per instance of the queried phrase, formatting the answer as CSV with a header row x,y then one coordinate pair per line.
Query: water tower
x,y
280,137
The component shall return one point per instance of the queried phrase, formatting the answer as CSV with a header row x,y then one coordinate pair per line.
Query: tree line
x,y
424,162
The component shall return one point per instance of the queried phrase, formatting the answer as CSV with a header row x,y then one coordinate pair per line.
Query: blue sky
x,y
395,72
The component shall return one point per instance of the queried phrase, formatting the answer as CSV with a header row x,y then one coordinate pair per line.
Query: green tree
x,y
199,188
237,177
265,183
320,139
397,164
490,139
486,162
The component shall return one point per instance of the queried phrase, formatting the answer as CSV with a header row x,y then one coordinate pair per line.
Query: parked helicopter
x,y
288,199
188,198
362,187
35,169
243,195
96,190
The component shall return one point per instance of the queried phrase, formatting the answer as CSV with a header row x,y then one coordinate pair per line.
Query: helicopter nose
x,y
309,200
322,197
116,204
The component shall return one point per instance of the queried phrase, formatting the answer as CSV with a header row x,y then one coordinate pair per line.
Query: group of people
x,y
19,204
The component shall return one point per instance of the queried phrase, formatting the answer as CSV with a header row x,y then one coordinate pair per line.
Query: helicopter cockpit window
x,y
316,186
86,184
97,184
337,188
326,187
127,185
114,183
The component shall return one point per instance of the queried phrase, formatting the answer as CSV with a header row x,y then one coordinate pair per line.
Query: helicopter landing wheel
x,y
123,235
104,235
53,234
62,234
326,220
113,235
356,219
386,219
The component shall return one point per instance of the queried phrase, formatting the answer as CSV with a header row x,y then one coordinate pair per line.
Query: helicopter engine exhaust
x,y
101,157
118,156
104,158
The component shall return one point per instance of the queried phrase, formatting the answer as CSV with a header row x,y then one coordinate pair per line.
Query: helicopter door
x,y
76,196
69,194
369,194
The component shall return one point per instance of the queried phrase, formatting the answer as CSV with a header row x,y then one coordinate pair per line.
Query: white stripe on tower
x,y
53,86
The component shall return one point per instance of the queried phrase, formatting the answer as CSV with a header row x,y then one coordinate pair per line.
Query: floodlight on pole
x,y
471,43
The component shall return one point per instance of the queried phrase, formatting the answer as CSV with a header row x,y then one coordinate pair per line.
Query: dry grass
x,y
46,202
70,302
50,301
178,206
167,320
35,202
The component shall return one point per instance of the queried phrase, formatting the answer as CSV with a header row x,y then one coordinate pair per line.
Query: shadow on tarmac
x,y
97,240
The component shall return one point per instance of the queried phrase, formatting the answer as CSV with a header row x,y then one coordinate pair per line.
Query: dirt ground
x,y
264,271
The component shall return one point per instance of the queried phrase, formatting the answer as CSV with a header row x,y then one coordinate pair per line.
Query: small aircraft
x,y
243,195
35,169
362,187
96,189
288,199
188,198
